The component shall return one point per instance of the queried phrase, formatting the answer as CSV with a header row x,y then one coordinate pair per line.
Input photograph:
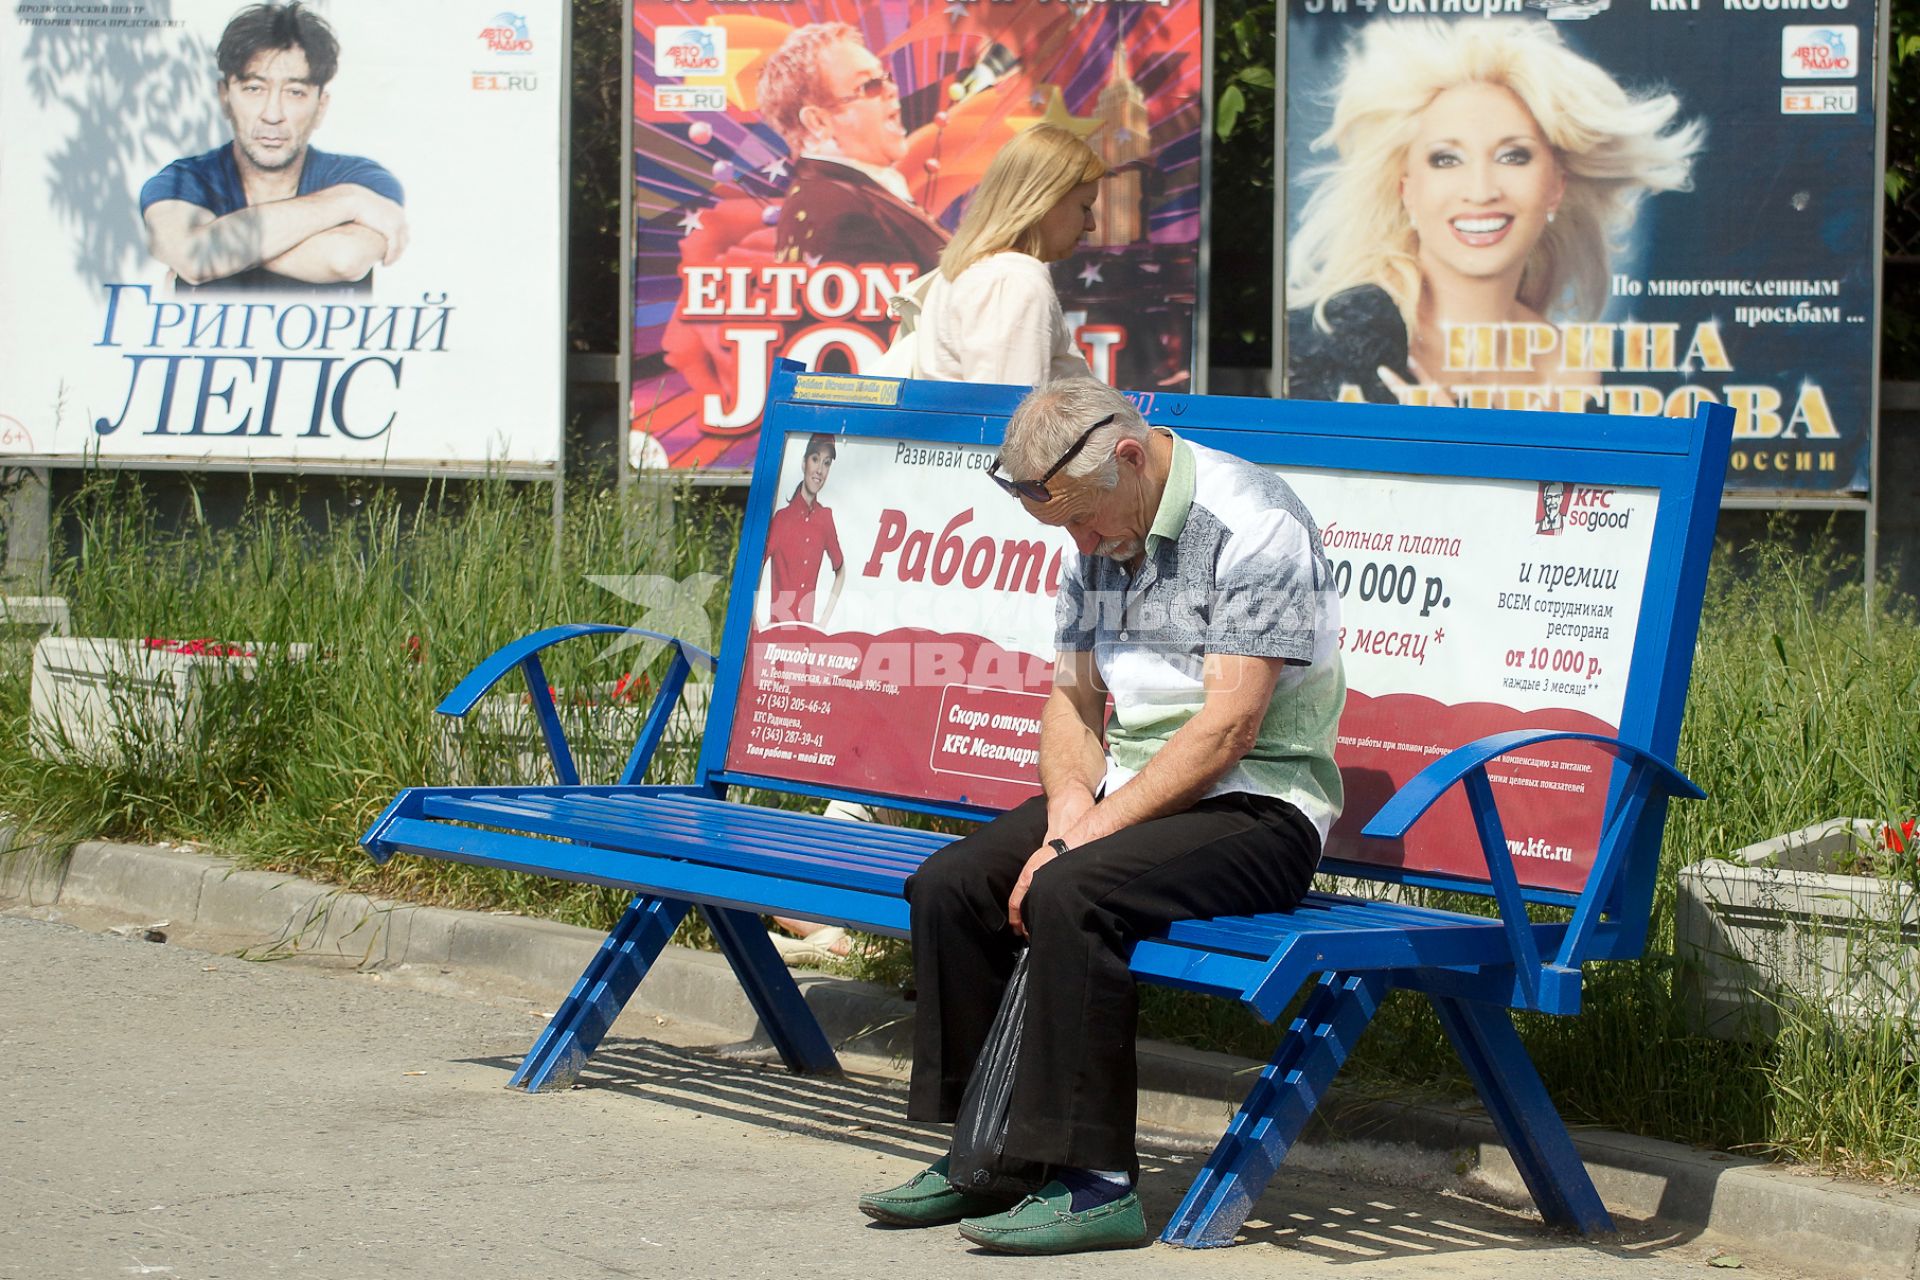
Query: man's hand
x,y
1041,857
377,213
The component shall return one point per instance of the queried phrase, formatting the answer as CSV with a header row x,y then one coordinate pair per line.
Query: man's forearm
x,y
248,238
337,255
1072,761
1178,776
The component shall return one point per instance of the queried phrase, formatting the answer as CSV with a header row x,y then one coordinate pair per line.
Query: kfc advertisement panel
x,y
904,622
277,235
796,163
1588,206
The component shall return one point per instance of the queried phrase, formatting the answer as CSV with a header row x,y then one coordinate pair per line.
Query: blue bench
x,y
1522,592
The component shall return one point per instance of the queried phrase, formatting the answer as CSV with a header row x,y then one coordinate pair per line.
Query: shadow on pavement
x,y
1331,1214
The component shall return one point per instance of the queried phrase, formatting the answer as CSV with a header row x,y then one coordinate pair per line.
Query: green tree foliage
x,y
1900,316
1240,310
600,100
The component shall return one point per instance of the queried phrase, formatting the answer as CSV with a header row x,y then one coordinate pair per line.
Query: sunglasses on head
x,y
1036,490
872,88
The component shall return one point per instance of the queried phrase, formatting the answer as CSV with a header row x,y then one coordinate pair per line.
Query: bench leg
x,y
578,1025
1276,1110
770,988
1523,1114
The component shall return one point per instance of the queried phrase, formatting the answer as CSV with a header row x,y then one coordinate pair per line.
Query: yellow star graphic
x,y
1057,114
738,60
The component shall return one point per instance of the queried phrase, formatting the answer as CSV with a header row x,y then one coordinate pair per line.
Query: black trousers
x,y
1074,1093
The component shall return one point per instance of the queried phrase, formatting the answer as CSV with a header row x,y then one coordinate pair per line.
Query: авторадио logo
x,y
507,34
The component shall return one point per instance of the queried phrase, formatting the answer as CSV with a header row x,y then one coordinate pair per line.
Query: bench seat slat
x,y
694,848
901,854
882,912
1429,935
887,843
845,832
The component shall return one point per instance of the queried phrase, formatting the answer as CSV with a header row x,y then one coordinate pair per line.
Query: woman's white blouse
x,y
999,322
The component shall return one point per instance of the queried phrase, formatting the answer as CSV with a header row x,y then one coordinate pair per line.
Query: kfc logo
x,y
508,35
1819,53
1549,508
1587,508
690,51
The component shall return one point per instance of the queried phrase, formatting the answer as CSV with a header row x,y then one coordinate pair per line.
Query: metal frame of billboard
x,y
556,472
1749,499
735,477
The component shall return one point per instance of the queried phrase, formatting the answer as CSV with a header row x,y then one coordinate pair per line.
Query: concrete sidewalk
x,y
1823,1225
172,1112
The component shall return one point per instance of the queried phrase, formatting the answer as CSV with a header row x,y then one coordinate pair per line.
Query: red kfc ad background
x,y
796,163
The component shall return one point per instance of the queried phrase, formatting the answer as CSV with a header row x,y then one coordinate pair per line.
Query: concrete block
x,y
350,928
699,986
31,873
101,700
378,933
137,880
291,912
858,1017
416,935
1779,922
536,951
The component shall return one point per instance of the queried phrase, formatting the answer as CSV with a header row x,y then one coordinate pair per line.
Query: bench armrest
x,y
1413,800
1648,776
524,655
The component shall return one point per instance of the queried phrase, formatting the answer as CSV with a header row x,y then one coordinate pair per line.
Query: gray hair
x,y
1052,417
790,80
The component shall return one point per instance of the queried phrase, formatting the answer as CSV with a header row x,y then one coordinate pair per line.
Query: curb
x,y
1840,1227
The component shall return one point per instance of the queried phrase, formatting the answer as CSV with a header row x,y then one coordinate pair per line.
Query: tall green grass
x,y
290,767
1803,707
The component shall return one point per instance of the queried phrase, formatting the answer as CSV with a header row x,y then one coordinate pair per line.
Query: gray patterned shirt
x,y
1233,565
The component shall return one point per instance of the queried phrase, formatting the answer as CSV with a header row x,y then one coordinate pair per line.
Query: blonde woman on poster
x,y
990,314
1485,176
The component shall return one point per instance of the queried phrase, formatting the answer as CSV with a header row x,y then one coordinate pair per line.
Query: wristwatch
x,y
1058,845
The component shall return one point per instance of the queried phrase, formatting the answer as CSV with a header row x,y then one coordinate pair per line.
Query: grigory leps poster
x,y
754,241
1591,206
279,234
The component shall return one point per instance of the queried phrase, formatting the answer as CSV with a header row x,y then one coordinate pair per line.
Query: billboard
x,y
236,236
757,238
904,623
1592,207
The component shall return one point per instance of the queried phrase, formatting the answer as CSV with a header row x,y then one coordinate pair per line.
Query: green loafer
x,y
1045,1223
926,1199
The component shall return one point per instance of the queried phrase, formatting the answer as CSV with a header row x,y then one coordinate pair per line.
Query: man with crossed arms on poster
x,y
1203,601
269,211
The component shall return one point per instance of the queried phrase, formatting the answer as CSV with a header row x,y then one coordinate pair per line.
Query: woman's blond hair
x,y
1026,178
1613,147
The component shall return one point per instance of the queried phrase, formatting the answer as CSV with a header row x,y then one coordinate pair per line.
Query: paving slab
x,y
176,1112
1828,1226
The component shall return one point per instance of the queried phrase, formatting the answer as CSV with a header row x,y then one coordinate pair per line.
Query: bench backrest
x,y
1499,571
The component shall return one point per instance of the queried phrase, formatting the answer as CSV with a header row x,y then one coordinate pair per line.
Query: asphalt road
x,y
183,1113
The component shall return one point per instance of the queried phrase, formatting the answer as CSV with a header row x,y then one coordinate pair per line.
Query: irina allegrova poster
x,y
797,161
1593,206
281,235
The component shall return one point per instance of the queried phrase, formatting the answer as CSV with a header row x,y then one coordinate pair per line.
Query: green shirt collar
x,y
1177,498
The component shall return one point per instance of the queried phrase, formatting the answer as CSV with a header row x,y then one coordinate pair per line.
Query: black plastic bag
x,y
980,1164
